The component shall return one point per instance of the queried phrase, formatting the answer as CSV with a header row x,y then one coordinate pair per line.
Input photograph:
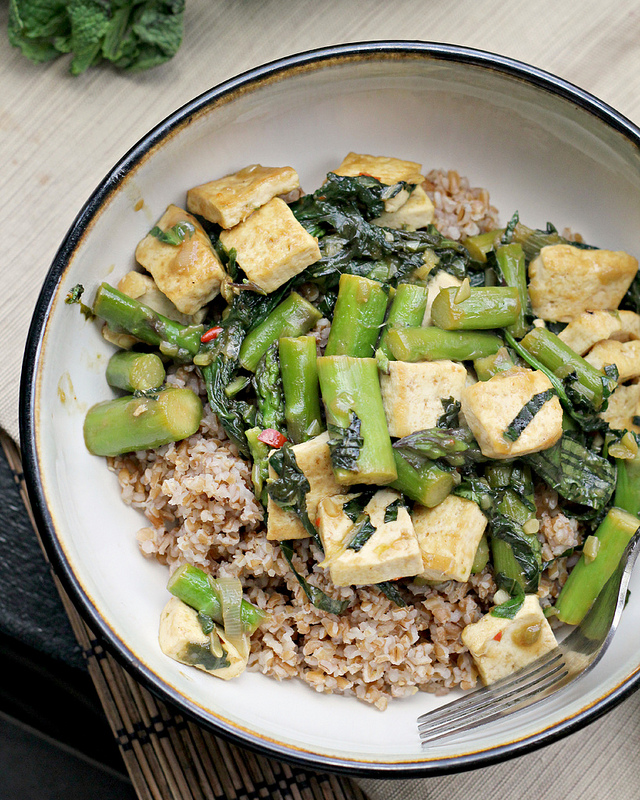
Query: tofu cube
x,y
489,407
271,245
629,326
590,327
623,408
412,393
441,280
189,274
143,288
230,200
625,355
391,552
448,535
334,525
417,212
181,637
564,281
502,646
385,169
314,459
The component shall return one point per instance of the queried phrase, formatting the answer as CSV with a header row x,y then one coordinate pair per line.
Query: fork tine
x,y
518,694
504,704
494,690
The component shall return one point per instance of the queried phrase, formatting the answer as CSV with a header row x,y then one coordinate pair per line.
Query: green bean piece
x,y
428,485
135,372
481,558
487,307
489,366
140,423
511,263
360,444
480,244
298,357
357,318
431,344
193,586
407,310
560,359
124,314
587,579
627,495
293,317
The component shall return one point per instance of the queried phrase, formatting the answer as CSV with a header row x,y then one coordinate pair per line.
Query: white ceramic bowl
x,y
540,146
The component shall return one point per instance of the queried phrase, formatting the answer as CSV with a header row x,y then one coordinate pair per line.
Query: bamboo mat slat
x,y
167,756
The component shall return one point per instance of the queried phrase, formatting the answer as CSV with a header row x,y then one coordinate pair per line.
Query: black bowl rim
x,y
434,51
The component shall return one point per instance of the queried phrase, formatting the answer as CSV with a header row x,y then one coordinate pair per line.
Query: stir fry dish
x,y
384,443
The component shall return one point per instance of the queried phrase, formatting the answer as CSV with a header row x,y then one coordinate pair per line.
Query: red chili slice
x,y
211,334
498,636
272,437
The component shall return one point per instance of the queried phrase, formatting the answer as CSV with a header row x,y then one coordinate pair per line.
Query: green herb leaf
x,y
198,655
206,623
75,294
522,547
576,473
391,511
526,414
316,596
345,444
131,34
289,490
362,532
455,447
510,608
354,507
389,590
449,418
175,235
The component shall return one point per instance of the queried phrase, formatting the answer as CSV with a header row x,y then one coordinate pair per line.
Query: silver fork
x,y
579,652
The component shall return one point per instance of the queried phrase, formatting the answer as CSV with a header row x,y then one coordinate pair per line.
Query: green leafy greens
x,y
131,34
526,414
345,444
175,235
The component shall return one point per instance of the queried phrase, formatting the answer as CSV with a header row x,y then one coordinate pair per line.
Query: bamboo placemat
x,y
167,756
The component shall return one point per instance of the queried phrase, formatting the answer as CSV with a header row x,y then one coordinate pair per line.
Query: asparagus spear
x,y
360,442
301,390
627,494
485,308
293,317
193,586
558,357
431,344
489,366
357,317
123,313
479,245
481,558
268,387
140,423
511,263
407,310
259,452
427,485
587,579
135,372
